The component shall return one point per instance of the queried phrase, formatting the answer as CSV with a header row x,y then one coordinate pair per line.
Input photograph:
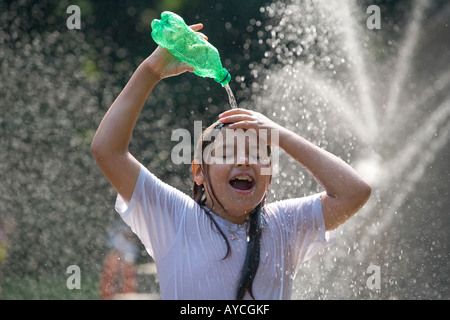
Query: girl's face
x,y
237,171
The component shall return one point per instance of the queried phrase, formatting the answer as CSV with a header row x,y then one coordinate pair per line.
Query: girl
x,y
226,243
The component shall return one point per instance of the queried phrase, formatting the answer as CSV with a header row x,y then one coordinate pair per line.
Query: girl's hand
x,y
164,64
248,119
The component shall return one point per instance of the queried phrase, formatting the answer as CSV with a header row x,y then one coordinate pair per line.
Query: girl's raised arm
x,y
346,191
110,143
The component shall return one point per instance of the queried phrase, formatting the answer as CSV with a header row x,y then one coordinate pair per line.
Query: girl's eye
x,y
264,159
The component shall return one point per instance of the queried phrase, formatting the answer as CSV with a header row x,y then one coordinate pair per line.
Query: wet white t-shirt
x,y
189,251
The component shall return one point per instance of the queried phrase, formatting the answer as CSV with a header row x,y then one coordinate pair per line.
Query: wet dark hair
x,y
256,217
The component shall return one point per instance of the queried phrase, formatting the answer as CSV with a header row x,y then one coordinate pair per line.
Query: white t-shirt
x,y
189,251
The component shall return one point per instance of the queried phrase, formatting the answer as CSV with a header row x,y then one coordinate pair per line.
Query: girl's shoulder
x,y
294,206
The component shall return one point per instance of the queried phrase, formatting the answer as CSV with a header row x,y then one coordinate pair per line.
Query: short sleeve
x,y
305,228
154,213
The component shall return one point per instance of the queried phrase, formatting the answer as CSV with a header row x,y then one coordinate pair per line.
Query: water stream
x,y
231,97
380,105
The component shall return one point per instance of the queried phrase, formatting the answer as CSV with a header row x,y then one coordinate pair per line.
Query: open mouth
x,y
242,182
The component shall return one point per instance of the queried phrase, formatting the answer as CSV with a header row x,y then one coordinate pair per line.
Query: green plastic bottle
x,y
172,33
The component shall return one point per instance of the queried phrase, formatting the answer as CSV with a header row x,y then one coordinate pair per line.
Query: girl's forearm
x,y
337,178
114,132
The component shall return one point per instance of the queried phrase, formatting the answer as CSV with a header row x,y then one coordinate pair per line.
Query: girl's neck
x,y
236,219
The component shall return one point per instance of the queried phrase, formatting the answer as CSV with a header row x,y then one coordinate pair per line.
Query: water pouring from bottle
x,y
231,97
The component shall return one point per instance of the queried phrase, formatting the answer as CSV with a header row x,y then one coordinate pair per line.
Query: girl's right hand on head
x,y
165,65
248,119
